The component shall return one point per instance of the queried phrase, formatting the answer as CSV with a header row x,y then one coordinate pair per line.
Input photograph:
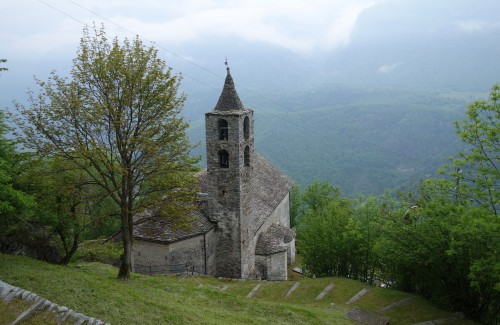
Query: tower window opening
x,y
246,156
223,159
246,128
223,130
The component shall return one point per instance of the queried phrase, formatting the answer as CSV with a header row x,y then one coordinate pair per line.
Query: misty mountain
x,y
362,141
372,114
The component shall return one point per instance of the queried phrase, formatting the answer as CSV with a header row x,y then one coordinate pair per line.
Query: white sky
x,y
36,27
36,30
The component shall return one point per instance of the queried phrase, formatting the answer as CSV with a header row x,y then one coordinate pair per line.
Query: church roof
x,y
229,99
273,240
161,230
268,188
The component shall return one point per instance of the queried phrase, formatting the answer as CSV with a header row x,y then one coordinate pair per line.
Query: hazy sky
x,y
39,32
42,27
37,27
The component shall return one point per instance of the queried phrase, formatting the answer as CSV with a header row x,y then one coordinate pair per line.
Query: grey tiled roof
x,y
161,230
202,181
273,240
229,99
269,187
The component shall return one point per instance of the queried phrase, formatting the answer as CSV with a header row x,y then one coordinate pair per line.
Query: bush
x,y
96,251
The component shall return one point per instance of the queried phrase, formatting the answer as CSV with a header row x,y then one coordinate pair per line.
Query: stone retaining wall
x,y
61,313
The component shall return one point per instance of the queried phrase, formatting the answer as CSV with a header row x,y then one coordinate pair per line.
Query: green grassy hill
x,y
92,289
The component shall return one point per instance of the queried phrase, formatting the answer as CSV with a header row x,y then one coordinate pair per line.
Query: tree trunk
x,y
69,253
126,258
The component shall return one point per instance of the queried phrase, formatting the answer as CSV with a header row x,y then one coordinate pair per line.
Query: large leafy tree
x,y
476,170
117,119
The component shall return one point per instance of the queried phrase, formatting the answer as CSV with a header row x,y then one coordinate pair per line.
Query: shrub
x,y
96,251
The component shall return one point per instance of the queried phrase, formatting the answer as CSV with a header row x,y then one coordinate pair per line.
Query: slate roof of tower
x,y
268,188
229,99
161,230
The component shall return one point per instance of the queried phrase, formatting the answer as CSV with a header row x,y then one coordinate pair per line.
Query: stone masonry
x,y
229,144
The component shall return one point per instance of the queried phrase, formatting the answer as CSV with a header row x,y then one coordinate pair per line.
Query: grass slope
x,y
93,289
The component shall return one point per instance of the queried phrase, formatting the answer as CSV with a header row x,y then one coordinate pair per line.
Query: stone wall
x,y
291,252
274,264
195,254
261,267
211,243
225,189
272,267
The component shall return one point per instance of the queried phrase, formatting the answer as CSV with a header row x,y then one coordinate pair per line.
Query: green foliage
x,y
323,241
444,251
477,170
97,251
336,237
117,119
68,201
15,205
426,243
367,230
319,194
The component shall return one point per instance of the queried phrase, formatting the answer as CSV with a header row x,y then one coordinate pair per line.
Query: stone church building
x,y
242,226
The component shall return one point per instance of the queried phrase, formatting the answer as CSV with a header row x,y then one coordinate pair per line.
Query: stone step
x,y
357,296
27,313
402,302
324,292
254,291
292,289
61,313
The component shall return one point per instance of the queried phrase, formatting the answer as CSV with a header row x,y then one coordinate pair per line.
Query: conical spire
x,y
229,99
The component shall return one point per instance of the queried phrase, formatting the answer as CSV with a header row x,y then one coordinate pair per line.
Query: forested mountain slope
x,y
364,141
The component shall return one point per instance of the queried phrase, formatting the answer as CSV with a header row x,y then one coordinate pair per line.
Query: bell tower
x,y
230,147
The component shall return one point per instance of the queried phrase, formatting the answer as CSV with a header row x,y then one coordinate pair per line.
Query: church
x,y
241,228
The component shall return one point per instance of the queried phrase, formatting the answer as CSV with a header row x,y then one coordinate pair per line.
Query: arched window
x,y
246,156
223,129
246,127
223,159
